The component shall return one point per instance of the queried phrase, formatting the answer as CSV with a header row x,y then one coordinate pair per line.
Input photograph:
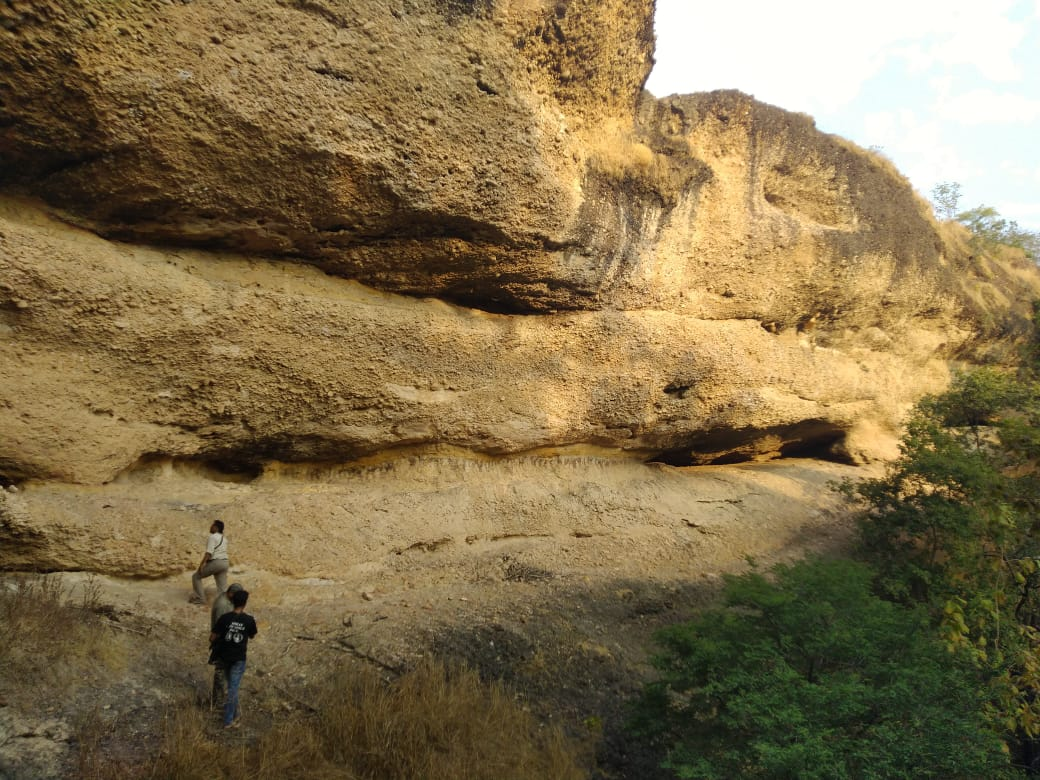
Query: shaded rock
x,y
32,747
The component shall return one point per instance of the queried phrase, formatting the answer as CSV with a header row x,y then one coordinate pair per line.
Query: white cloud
x,y
783,53
1014,169
983,40
815,55
955,72
880,126
1032,209
983,106
917,148
789,56
916,59
979,35
1026,214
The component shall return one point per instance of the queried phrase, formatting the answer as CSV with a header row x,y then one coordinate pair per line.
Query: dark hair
x,y
219,524
239,598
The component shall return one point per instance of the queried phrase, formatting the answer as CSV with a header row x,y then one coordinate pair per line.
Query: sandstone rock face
x,y
430,147
239,234
119,353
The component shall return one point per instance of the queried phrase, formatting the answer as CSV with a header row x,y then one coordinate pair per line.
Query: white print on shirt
x,y
236,632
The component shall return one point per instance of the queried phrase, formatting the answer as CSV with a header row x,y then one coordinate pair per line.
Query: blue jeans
x,y
234,679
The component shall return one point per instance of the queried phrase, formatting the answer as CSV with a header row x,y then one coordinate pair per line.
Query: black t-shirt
x,y
233,632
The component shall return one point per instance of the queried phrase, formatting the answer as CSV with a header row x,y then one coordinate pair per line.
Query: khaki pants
x,y
217,570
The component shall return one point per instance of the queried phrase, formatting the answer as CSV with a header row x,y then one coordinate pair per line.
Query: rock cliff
x,y
235,235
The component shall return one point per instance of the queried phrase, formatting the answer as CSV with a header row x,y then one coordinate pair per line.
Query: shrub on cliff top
x,y
952,526
988,228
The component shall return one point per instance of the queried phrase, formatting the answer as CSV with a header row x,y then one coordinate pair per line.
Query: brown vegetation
x,y
62,644
433,722
53,638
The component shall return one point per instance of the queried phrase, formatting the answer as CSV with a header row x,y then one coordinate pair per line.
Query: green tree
x,y
989,229
953,526
945,196
811,676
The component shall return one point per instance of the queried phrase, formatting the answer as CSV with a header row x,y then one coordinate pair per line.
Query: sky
x,y
949,91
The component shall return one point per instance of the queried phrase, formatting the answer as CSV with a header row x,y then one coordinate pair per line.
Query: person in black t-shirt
x,y
221,606
229,642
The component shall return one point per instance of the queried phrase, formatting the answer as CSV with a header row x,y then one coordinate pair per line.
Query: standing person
x,y
229,640
221,606
214,563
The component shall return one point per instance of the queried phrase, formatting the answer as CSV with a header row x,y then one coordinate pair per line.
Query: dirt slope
x,y
561,607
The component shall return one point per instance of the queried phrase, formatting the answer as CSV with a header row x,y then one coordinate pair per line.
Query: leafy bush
x,y
835,669
942,506
812,676
945,196
953,526
988,228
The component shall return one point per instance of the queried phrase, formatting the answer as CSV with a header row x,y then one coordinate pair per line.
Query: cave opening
x,y
809,439
222,468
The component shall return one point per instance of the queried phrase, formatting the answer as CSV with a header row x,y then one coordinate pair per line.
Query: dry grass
x,y
995,284
433,723
289,750
92,733
51,637
879,159
616,153
440,723
885,163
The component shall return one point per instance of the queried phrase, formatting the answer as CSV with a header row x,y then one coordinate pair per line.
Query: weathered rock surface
x,y
433,147
238,234
583,515
31,748
501,156
119,353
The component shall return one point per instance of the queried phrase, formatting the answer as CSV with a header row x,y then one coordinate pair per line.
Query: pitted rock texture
x,y
119,353
428,146
583,515
497,155
209,213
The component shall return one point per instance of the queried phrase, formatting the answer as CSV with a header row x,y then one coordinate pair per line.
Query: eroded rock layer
x,y
118,353
584,513
433,147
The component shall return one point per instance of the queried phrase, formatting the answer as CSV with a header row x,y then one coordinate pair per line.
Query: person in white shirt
x,y
214,564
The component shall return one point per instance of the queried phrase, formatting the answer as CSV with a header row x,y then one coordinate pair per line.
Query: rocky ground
x,y
564,616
